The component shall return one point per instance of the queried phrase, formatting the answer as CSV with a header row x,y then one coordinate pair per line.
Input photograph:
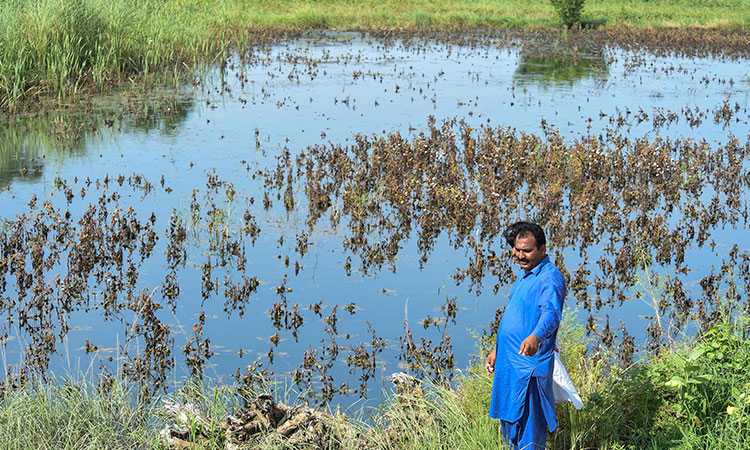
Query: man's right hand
x,y
489,363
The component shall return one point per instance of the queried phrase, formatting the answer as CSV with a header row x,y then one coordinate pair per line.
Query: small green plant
x,y
708,378
569,11
688,379
651,288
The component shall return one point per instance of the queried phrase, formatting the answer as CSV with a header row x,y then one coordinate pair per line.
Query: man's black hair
x,y
523,227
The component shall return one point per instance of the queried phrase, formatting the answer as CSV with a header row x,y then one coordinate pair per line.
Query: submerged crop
x,y
627,210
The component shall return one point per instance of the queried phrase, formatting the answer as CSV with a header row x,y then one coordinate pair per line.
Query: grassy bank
x,y
370,14
63,49
693,396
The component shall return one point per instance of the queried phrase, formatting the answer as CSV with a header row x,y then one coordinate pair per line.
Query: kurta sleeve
x,y
550,300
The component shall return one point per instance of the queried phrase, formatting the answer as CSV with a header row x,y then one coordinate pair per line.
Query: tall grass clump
x,y
58,48
67,415
64,414
439,418
49,47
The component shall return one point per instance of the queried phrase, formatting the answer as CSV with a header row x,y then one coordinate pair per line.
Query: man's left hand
x,y
529,346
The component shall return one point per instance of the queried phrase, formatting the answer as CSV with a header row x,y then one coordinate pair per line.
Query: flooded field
x,y
329,210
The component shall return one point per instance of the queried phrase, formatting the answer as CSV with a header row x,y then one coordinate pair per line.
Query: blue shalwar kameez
x,y
522,395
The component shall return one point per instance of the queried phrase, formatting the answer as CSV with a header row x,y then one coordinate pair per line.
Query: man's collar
x,y
538,267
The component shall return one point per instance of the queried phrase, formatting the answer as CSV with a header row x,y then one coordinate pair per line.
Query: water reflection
x,y
165,115
24,143
27,142
556,68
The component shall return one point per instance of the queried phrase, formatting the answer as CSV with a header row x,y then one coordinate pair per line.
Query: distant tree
x,y
569,11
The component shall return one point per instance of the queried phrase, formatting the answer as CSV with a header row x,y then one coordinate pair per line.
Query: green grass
x,y
69,415
63,49
369,14
82,415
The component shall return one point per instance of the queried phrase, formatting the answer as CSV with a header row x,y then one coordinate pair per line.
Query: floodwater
x,y
230,130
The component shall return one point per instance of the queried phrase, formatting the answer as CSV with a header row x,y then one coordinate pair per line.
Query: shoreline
x,y
691,394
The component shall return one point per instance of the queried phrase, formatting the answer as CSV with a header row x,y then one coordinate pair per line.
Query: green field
x,y
61,50
440,14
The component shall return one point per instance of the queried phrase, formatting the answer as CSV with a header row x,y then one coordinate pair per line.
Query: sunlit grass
x,y
70,415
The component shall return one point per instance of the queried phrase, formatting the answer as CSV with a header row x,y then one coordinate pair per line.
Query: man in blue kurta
x,y
522,360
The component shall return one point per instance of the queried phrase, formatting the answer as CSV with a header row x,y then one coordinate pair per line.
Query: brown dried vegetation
x,y
622,198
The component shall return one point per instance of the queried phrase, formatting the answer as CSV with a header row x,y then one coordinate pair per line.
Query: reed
x,y
67,414
63,49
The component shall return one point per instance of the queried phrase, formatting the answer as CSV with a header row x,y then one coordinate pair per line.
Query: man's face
x,y
525,252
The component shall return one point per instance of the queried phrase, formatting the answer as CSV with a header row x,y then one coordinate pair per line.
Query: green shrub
x,y
693,396
569,11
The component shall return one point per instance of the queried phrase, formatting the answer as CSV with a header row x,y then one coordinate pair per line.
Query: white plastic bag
x,y
562,385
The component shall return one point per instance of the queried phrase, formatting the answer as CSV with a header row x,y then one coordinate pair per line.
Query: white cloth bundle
x,y
562,385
